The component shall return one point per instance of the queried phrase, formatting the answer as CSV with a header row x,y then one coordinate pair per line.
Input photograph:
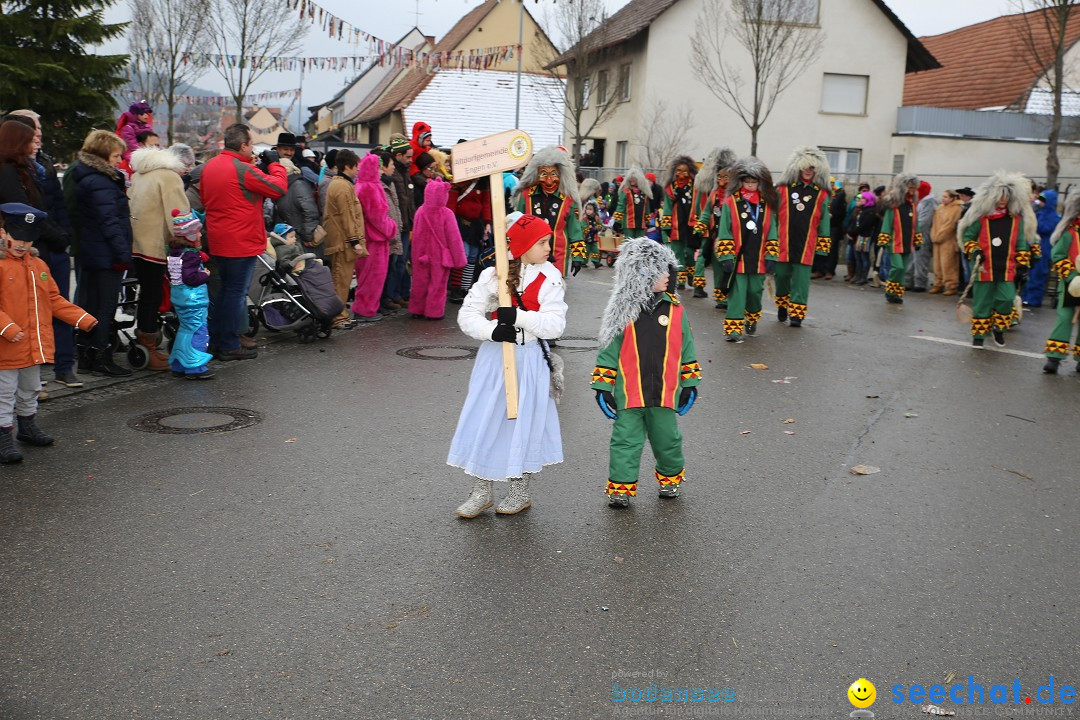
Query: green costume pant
x,y
632,426
793,288
1062,334
679,248
631,233
991,306
898,267
744,302
592,252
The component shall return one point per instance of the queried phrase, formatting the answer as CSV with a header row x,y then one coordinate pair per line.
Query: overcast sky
x,y
436,17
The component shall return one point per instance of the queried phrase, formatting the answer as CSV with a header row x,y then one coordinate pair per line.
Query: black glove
x,y
1021,275
686,399
978,256
606,401
728,266
575,268
504,333
269,156
617,227
770,265
506,315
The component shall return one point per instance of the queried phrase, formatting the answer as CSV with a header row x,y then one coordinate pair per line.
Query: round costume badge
x,y
744,214
800,207
751,225
807,198
663,320
537,210
996,242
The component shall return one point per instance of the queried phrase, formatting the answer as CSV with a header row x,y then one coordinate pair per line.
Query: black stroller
x,y
123,324
284,298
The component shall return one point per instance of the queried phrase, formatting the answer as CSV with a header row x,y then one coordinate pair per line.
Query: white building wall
x,y
952,162
859,40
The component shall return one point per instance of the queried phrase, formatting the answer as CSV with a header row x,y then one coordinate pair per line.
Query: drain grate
x,y
195,420
435,352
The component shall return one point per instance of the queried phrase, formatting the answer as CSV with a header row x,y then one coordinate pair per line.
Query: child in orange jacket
x,y
29,299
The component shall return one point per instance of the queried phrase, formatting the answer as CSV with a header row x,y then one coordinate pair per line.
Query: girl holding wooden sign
x,y
486,444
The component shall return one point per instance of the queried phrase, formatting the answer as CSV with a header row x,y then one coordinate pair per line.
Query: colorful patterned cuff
x,y
618,217
701,228
883,238
824,244
725,247
1063,268
604,375
1023,258
665,221
690,371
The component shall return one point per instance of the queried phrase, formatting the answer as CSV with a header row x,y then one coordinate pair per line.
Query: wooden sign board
x,y
491,155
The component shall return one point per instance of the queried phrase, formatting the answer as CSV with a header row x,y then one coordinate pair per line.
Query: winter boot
x,y
781,313
8,452
699,292
158,359
517,499
85,357
1051,366
618,500
479,499
850,272
29,432
104,365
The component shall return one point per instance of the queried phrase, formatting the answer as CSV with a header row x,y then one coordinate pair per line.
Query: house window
x,y
844,94
897,164
584,93
621,148
843,161
624,82
804,12
602,88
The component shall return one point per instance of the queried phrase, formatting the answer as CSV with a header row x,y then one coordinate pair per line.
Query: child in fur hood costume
x,y
593,220
899,234
803,229
746,245
486,444
549,190
1065,258
29,299
997,231
633,199
677,215
710,187
647,373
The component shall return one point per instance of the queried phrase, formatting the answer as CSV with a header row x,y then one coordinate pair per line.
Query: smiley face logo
x,y
862,693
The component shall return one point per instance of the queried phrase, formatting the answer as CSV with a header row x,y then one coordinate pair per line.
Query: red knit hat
x,y
525,231
651,177
924,189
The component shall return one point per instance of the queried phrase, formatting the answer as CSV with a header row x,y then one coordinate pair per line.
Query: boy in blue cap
x,y
29,299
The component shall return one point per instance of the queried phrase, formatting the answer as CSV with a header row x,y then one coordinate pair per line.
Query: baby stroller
x,y
123,324
286,298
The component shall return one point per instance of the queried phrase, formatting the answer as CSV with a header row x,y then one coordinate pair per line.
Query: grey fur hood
x,y
669,176
803,157
1072,212
719,159
589,189
897,191
752,167
642,182
1017,187
553,157
641,262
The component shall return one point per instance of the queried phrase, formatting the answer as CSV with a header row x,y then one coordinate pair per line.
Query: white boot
x,y
479,499
517,499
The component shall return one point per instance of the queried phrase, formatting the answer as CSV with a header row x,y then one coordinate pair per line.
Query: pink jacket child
x,y
436,247
138,118
379,228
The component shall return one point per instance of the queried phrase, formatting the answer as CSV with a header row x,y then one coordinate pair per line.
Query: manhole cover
x,y
195,420
439,352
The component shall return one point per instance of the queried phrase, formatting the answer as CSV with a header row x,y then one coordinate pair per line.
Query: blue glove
x,y
728,266
770,266
686,399
606,401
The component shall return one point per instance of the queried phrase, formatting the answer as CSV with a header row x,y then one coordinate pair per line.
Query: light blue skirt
x,y
486,444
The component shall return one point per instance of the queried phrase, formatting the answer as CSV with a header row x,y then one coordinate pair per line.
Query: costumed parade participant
x,y
436,249
29,299
647,372
710,187
1065,244
997,232
634,198
190,298
746,244
486,444
549,190
677,215
899,235
592,224
802,229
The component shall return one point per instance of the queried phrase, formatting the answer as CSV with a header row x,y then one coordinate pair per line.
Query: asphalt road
x,y
310,566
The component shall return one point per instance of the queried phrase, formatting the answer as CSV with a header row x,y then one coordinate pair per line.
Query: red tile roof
x,y
984,65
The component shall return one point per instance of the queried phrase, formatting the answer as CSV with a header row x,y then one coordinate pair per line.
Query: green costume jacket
x,y
561,214
898,232
803,223
677,216
632,211
1003,246
651,360
1063,256
736,240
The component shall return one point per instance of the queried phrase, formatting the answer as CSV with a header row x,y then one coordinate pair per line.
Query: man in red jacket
x,y
232,189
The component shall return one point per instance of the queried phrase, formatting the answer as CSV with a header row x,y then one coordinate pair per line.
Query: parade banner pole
x,y
490,157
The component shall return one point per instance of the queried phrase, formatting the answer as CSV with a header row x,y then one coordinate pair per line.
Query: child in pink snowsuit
x,y
436,247
138,118
379,228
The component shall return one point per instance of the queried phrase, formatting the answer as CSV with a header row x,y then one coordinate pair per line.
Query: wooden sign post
x,y
491,156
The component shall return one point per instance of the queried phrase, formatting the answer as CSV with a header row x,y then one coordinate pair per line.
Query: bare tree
x,y
780,37
1042,31
163,37
252,28
588,95
662,135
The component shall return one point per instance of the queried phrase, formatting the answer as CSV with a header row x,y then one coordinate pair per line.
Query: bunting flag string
x,y
384,54
227,100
